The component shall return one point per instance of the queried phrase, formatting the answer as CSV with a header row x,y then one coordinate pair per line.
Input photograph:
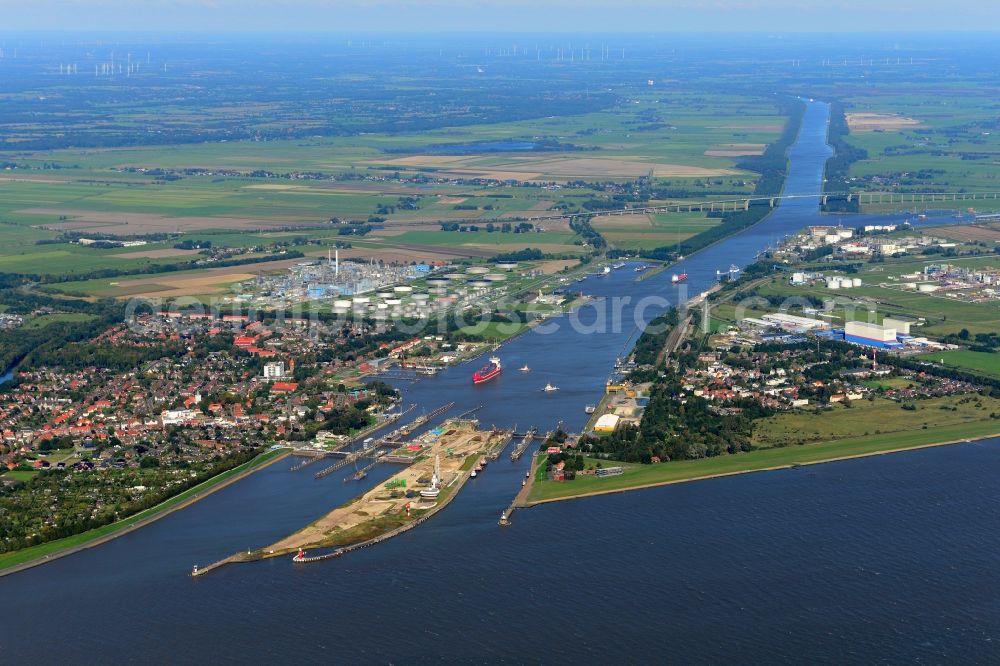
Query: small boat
x,y
548,388
525,368
473,474
607,270
590,409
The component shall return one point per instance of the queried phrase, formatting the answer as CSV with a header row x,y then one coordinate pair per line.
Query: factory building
x,y
902,327
871,335
794,323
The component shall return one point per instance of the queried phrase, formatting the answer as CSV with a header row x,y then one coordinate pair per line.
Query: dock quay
x,y
521,498
523,445
363,472
366,452
388,420
421,420
400,460
465,415
401,376
310,459
506,436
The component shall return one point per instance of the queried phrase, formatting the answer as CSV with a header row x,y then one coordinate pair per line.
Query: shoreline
x,y
156,515
773,468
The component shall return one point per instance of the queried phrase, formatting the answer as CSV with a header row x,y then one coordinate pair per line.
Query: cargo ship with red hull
x,y
679,278
488,372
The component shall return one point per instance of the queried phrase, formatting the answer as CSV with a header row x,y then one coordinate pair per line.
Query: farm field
x,y
409,181
877,417
983,363
977,233
922,139
643,231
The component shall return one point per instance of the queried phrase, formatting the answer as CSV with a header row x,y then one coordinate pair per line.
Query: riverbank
x,y
638,477
33,556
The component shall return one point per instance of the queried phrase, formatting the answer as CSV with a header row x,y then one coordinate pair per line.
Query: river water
x,y
887,559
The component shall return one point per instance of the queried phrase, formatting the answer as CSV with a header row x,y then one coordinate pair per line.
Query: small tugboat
x,y
548,388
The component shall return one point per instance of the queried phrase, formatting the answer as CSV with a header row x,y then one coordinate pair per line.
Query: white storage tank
x,y
856,282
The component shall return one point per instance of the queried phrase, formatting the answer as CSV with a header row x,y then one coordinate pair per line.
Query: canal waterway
x,y
892,558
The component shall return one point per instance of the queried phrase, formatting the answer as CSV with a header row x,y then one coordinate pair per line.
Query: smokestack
x,y
336,264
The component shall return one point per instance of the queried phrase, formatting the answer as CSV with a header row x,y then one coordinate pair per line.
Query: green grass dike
x,y
51,550
637,476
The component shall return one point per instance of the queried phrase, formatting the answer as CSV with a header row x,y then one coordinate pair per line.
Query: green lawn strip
x,y
981,363
639,475
51,547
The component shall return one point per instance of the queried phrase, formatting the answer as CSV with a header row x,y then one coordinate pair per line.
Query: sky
x,y
643,16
